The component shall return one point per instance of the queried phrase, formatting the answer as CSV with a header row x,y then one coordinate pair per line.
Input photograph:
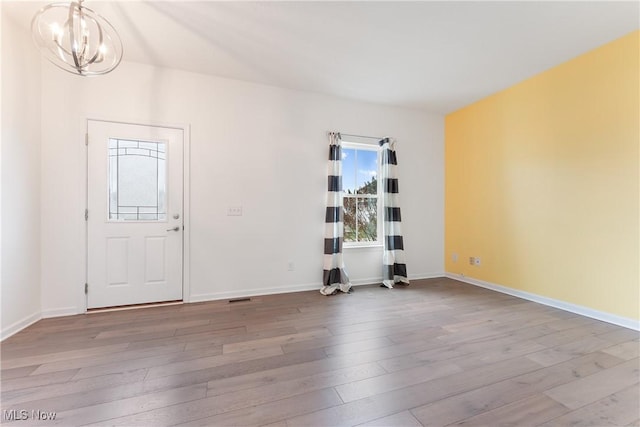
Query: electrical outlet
x,y
291,266
477,261
234,211
454,257
472,260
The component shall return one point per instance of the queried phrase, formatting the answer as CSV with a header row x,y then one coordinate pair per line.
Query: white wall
x,y
20,196
257,146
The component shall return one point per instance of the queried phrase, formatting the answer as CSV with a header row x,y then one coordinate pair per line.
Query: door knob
x,y
176,228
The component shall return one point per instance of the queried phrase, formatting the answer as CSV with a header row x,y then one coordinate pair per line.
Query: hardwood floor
x,y
436,353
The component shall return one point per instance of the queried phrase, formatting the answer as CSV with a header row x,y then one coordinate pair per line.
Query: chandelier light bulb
x,y
56,30
76,39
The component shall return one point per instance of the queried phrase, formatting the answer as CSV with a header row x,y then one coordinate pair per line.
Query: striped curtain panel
x,y
393,263
335,277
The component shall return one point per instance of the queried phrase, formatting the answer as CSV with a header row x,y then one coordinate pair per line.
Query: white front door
x,y
135,232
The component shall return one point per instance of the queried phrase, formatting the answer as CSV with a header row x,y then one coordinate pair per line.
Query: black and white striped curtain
x,y
394,268
335,277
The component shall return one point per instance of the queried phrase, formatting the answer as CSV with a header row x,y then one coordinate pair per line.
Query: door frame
x,y
186,201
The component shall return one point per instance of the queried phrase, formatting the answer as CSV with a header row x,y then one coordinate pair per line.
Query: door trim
x,y
186,203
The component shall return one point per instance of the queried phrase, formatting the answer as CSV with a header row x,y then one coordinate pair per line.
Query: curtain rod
x,y
361,136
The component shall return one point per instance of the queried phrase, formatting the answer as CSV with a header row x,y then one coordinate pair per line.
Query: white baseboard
x,y
294,288
19,325
374,280
270,291
361,282
213,296
562,305
437,275
59,312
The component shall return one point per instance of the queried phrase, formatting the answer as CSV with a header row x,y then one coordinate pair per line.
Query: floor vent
x,y
239,300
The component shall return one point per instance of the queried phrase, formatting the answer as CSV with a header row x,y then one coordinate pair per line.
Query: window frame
x,y
346,145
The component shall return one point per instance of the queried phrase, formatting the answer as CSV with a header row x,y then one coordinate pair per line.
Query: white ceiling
x,y
438,56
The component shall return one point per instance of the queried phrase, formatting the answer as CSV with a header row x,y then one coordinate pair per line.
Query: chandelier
x,y
76,39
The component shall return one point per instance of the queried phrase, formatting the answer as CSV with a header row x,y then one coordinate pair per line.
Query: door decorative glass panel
x,y
137,180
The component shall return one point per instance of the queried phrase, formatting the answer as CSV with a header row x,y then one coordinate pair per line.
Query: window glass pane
x,y
360,170
349,170
367,213
349,219
367,172
137,180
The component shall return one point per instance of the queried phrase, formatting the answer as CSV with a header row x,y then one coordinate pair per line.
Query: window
x,y
360,184
137,180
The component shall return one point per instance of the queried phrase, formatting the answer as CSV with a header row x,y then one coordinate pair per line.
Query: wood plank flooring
x,y
436,353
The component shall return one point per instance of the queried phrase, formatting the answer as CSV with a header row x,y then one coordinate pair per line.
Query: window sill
x,y
363,246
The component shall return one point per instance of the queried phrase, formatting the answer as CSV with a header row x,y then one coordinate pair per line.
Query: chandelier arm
x,y
72,38
98,53
59,46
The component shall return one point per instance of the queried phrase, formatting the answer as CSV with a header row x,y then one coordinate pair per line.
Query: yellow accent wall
x,y
542,183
